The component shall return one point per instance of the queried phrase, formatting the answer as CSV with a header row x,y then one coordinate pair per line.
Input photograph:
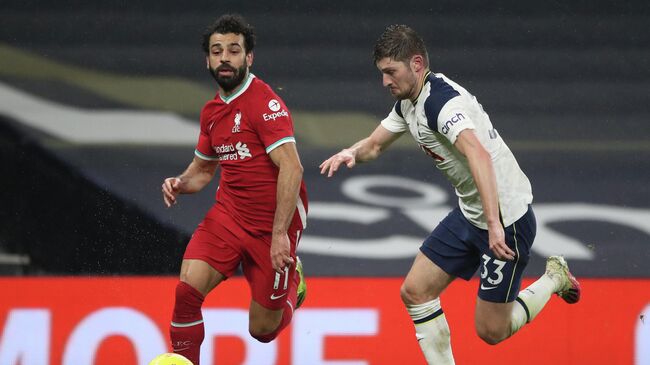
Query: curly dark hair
x,y
230,23
400,43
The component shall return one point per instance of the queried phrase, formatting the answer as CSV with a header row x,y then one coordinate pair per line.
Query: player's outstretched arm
x,y
197,175
365,150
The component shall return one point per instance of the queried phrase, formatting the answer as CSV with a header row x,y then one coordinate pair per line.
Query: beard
x,y
400,95
229,83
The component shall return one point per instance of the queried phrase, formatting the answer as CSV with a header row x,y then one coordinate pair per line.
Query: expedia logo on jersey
x,y
274,116
228,152
275,107
448,124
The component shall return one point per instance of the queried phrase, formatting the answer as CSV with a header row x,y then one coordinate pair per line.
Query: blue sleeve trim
x,y
398,108
441,92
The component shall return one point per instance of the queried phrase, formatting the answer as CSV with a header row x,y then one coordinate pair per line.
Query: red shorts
x,y
221,242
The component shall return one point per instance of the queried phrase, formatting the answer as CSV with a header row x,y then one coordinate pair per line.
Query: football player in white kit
x,y
494,225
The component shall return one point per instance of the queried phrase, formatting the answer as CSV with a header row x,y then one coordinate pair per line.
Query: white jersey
x,y
442,110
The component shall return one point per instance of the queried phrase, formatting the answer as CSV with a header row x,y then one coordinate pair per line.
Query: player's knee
x,y
198,285
264,338
263,329
264,334
181,290
187,297
491,336
410,294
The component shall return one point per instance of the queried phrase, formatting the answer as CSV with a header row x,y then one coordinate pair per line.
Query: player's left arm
x,y
480,164
286,158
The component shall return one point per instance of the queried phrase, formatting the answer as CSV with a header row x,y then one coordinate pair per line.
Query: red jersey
x,y
240,131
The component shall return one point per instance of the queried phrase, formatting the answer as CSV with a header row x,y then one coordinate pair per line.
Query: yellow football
x,y
170,359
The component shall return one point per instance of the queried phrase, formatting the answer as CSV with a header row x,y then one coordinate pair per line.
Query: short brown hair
x,y
400,43
230,23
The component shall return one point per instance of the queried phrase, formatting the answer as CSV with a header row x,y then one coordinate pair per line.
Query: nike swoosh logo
x,y
273,297
483,287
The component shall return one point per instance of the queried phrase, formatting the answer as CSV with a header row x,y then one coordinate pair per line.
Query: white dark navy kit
x,y
459,245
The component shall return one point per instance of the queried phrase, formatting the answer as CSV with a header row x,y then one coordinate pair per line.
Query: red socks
x,y
187,331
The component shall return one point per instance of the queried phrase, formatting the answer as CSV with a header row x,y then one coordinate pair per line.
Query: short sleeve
x,y
453,119
394,122
204,146
273,123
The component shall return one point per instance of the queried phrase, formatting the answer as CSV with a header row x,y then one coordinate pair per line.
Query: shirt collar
x,y
242,88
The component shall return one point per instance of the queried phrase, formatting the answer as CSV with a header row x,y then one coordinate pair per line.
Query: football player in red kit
x,y
261,203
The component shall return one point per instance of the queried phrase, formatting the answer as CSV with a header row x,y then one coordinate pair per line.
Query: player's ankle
x,y
556,278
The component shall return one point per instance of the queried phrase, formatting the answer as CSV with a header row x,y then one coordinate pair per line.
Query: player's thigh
x,y
200,275
269,289
450,246
425,281
444,255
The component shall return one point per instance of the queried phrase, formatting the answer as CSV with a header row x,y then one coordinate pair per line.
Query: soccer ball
x,y
170,359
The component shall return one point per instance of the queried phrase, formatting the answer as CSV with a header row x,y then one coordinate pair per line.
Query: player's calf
x,y
432,332
187,330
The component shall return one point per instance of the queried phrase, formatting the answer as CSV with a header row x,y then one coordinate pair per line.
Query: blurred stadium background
x,y
99,102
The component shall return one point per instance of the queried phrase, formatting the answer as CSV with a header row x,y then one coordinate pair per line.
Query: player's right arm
x,y
197,175
365,150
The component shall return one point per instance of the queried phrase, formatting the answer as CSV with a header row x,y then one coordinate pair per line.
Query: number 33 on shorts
x,y
494,276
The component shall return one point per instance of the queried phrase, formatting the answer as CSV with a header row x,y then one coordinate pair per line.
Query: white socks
x,y
531,301
432,332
